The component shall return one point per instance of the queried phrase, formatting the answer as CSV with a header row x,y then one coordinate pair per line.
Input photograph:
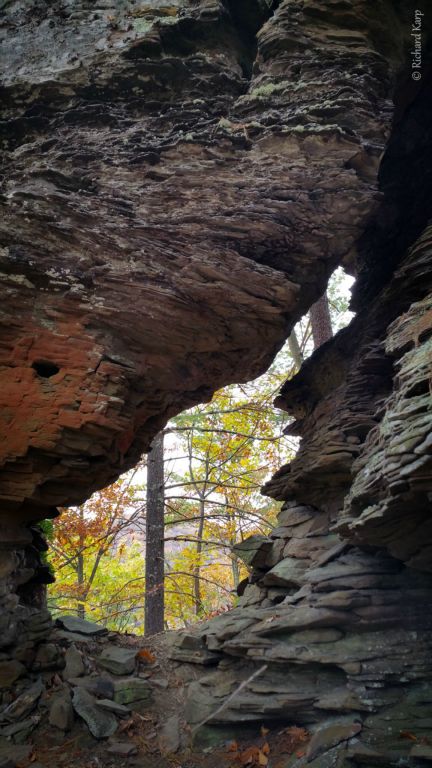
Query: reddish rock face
x,y
78,410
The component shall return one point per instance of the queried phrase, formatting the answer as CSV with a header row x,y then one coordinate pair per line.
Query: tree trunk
x,y
235,570
80,569
197,569
294,348
154,564
80,580
320,320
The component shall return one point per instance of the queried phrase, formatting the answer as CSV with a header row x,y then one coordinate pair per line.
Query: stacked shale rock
x,y
91,691
344,631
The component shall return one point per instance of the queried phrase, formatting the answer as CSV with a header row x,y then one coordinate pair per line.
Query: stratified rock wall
x,y
335,615
336,611
178,181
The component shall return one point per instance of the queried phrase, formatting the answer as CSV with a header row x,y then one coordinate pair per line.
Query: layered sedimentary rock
x,y
179,179
167,213
334,617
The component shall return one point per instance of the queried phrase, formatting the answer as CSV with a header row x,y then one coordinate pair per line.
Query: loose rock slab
x,y
132,692
122,748
82,626
48,657
100,724
61,711
112,706
24,704
98,686
74,663
118,661
326,738
169,736
289,572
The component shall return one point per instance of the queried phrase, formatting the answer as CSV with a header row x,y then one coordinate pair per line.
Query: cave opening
x,y
238,434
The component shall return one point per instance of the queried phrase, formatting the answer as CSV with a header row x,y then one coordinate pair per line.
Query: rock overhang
x,y
167,217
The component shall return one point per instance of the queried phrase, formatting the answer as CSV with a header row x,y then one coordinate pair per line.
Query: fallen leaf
x,y
299,734
264,731
292,737
145,718
126,725
233,747
266,748
249,755
145,655
262,758
408,735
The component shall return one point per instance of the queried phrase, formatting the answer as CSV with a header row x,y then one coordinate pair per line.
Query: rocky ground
x,y
93,698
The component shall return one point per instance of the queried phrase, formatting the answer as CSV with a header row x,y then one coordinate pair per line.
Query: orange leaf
x,y
249,755
408,735
145,655
126,725
233,747
262,759
266,748
300,734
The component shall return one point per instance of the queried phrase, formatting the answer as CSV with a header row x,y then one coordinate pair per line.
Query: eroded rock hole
x,y
45,369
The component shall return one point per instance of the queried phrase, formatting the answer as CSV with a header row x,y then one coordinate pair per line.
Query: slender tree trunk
x,y
154,564
197,569
322,329
235,570
294,348
235,567
80,570
80,580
